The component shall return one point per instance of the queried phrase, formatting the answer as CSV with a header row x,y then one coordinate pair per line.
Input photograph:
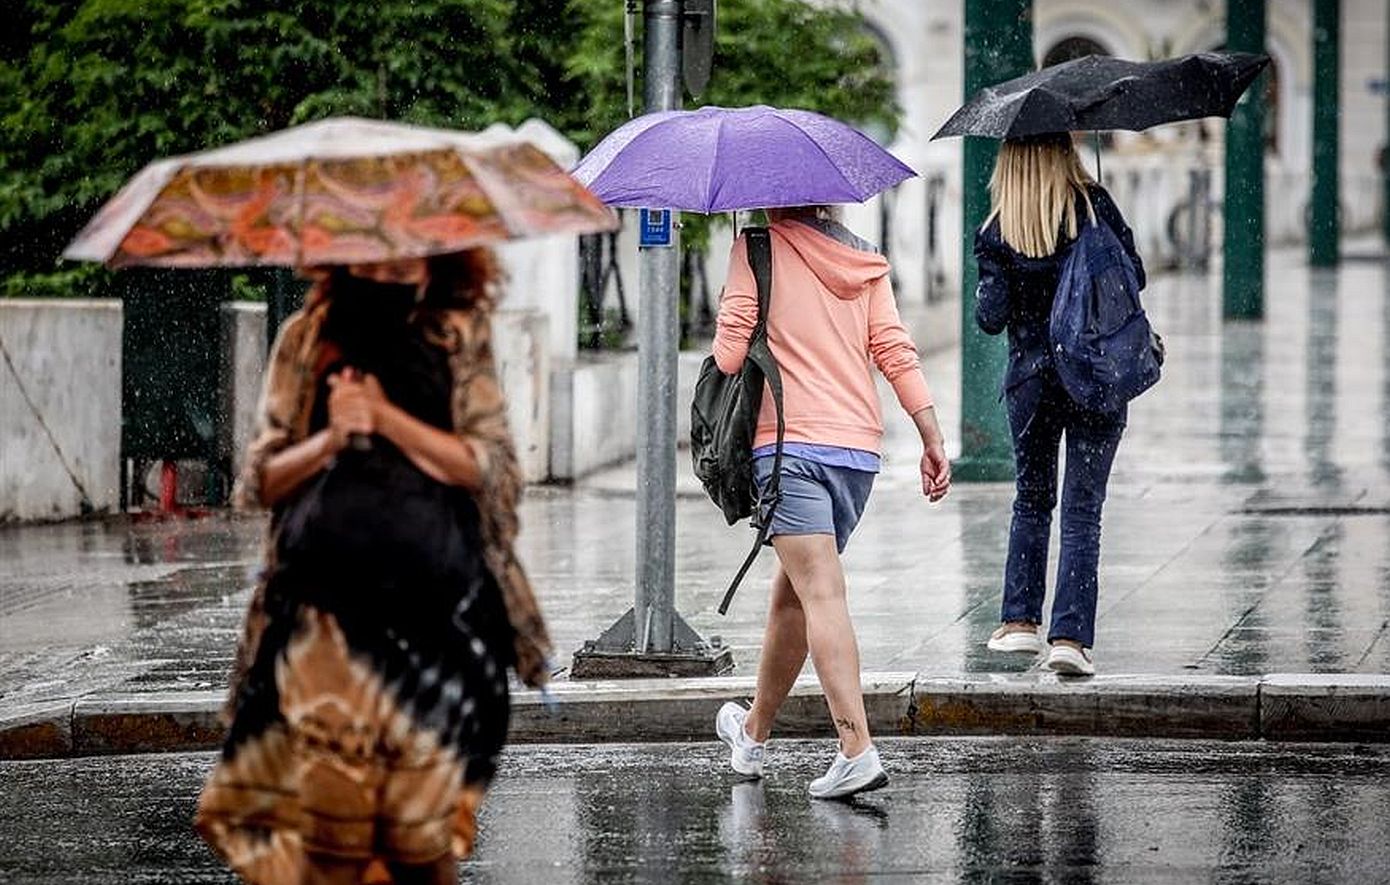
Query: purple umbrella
x,y
723,159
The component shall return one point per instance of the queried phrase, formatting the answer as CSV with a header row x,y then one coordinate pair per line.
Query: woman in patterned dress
x,y
369,701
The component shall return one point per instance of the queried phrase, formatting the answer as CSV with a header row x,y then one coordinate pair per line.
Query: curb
x,y
1281,706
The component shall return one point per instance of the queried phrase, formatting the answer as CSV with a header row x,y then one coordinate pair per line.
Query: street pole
x,y
998,46
1322,217
652,639
1243,273
1385,149
658,343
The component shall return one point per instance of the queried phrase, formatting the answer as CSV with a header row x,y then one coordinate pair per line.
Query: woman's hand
x,y
936,468
354,405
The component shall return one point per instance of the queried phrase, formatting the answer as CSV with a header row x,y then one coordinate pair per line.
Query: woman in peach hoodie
x,y
832,318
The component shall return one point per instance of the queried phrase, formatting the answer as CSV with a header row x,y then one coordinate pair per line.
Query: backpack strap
x,y
759,244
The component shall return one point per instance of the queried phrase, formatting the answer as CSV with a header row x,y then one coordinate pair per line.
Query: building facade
x,y
1168,180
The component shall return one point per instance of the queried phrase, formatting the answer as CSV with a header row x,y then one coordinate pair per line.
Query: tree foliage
x,y
91,90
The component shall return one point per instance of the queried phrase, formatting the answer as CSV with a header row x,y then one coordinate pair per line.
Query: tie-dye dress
x,y
374,701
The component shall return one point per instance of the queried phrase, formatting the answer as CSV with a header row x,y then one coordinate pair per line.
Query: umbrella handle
x,y
1095,133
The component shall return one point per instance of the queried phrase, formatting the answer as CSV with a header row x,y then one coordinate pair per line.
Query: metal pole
x,y
1322,216
998,46
652,639
1243,267
658,344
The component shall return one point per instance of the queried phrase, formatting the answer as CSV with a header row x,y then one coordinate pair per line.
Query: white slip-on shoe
x,y
846,777
1024,641
1067,660
745,754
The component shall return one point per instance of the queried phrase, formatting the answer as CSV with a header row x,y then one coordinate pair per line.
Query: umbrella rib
x,y
302,187
836,166
468,160
708,188
626,200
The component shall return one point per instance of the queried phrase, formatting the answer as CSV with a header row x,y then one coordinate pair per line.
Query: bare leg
x,y
784,654
813,566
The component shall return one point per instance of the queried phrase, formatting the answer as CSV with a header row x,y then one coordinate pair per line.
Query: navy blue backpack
x,y
1104,350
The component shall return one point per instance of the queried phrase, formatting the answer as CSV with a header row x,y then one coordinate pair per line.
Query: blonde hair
x,y
1033,192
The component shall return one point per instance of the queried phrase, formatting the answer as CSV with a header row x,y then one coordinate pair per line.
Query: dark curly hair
x,y
469,280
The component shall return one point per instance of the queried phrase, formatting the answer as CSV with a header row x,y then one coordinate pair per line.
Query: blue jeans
x,y
1040,413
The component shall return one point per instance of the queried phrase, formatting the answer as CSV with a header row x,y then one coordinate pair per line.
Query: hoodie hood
x,y
845,264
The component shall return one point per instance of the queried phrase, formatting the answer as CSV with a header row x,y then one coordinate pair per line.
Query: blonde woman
x,y
1040,195
831,319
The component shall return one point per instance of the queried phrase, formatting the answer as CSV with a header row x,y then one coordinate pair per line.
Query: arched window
x,y
885,65
1072,48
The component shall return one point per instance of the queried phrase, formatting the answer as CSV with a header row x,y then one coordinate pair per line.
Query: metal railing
x,y
604,319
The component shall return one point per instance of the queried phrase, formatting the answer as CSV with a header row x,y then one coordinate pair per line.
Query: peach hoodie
x,y
832,312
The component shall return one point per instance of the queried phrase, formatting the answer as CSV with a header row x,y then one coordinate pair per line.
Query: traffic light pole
x,y
651,639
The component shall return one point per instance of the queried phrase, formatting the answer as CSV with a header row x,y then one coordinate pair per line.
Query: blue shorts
x,y
816,499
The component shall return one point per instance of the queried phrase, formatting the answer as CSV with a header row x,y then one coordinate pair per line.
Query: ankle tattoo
x,y
846,725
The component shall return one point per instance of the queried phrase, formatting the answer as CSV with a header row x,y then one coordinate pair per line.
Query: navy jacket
x,y
1016,291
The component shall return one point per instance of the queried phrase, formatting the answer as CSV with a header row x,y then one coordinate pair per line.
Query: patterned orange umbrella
x,y
339,191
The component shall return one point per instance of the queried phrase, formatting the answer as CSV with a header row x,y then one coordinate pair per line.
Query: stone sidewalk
x,y
1247,535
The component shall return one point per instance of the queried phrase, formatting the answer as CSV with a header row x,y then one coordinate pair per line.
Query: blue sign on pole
x,y
655,227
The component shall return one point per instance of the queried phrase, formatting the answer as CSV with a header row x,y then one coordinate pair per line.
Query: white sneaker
x,y
1067,660
745,754
1026,642
846,777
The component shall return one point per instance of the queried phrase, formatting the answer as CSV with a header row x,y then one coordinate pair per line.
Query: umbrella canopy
x,y
723,159
339,191
1100,92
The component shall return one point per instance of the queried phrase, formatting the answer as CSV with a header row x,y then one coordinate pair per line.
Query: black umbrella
x,y
1100,92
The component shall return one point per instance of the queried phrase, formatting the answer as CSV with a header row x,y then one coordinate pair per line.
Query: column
x,y
1244,266
1322,214
998,46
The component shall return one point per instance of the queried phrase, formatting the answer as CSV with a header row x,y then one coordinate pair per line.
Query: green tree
x,y
108,85
837,67
91,90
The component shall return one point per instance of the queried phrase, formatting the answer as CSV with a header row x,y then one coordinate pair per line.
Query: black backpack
x,y
724,418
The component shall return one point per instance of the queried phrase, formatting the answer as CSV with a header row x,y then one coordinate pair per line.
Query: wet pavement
x,y
977,810
1246,531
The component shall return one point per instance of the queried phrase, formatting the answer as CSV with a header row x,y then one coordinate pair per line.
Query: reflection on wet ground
x,y
1246,531
956,810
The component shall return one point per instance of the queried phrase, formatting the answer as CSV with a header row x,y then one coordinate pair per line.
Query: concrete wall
x,y
66,356
243,367
543,274
594,411
520,345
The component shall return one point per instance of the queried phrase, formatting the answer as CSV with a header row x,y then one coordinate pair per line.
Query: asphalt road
x,y
1071,810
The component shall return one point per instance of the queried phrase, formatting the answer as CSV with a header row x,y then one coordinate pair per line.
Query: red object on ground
x,y
168,487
